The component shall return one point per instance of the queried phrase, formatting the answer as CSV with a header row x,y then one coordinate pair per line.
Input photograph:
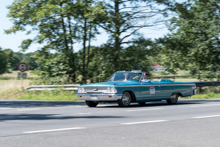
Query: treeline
x,y
193,41
9,60
53,68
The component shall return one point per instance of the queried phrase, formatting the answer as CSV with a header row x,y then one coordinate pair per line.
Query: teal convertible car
x,y
125,87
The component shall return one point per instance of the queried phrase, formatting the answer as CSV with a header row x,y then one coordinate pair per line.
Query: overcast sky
x,y
13,41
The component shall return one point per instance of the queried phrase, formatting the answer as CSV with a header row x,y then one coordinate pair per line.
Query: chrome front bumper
x,y
99,97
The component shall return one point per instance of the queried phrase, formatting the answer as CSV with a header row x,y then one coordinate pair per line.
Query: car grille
x,y
96,89
94,93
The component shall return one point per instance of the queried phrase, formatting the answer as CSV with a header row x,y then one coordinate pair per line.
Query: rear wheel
x,y
91,103
125,100
173,99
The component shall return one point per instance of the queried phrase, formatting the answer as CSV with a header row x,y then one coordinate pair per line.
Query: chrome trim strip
x,y
156,85
99,94
176,84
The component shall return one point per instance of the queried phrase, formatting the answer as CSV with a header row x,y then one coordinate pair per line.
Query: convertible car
x,y
125,87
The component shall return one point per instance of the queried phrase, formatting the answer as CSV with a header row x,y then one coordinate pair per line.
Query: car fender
x,y
133,97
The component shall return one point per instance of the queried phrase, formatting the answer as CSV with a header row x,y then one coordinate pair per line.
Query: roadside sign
x,y
22,67
22,75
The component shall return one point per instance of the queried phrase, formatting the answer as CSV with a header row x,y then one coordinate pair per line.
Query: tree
x,y
133,57
122,19
58,25
52,68
194,41
54,24
3,61
30,59
86,31
12,60
136,56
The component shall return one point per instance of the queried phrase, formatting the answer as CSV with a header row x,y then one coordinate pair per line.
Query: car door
x,y
150,91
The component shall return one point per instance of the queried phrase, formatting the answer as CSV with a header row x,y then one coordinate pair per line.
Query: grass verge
x,y
60,95
209,95
50,95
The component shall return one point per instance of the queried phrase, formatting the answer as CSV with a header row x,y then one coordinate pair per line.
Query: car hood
x,y
110,84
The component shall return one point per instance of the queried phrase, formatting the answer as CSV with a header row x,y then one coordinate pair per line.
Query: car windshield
x,y
125,76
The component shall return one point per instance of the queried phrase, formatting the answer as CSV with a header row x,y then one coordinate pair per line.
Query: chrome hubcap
x,y
173,98
126,98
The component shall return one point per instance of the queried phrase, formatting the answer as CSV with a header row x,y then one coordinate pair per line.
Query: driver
x,y
145,79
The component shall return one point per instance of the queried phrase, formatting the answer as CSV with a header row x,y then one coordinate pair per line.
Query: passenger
x,y
126,77
145,79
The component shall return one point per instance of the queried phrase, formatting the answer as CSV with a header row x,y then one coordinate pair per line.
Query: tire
x,y
125,100
173,99
91,103
141,103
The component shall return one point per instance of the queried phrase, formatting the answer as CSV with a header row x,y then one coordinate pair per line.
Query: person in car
x,y
145,79
126,77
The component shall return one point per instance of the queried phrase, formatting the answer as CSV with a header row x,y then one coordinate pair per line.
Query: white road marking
x,y
28,109
104,105
83,113
79,106
143,122
54,130
71,115
144,109
210,116
205,105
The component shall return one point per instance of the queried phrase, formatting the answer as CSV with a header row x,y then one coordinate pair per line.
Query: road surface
x,y
73,124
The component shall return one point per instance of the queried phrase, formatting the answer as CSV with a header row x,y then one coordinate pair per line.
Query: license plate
x,y
94,97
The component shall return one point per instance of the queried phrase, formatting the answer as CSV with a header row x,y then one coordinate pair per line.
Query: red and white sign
x,y
22,67
152,90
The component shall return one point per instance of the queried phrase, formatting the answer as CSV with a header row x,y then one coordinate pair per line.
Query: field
x,y
10,88
9,84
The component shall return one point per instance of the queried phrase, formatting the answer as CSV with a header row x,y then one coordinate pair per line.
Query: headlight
x,y
111,89
81,90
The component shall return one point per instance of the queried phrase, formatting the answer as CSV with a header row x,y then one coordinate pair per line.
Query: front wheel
x,y
173,99
125,100
91,103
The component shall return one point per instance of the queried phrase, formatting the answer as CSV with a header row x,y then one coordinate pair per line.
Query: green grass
x,y
209,95
50,95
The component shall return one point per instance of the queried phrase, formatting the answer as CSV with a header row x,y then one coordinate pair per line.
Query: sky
x,y
13,41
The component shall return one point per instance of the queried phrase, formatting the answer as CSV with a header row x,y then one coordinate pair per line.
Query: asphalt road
x,y
59,124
